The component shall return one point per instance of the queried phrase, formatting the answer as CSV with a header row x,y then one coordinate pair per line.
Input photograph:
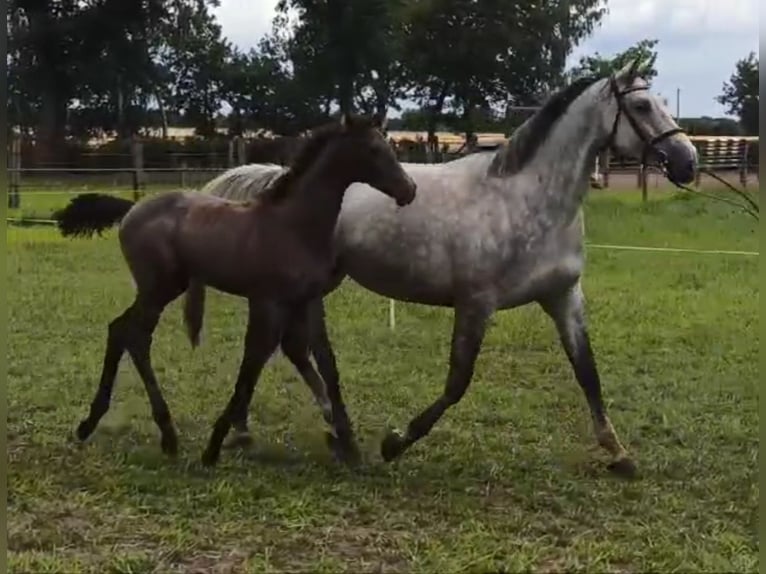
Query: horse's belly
x,y
538,281
397,279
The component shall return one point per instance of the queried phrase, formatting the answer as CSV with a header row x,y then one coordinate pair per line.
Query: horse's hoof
x,y
240,440
623,467
392,446
346,453
84,429
169,444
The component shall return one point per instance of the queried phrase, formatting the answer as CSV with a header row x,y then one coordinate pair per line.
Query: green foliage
x,y
109,66
740,94
192,59
597,64
469,55
706,126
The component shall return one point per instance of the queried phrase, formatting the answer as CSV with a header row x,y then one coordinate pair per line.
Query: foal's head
x,y
357,150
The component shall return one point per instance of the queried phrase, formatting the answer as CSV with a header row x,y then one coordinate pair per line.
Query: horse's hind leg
x,y
115,347
568,312
145,316
295,346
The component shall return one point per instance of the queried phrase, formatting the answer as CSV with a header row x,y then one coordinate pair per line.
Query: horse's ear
x,y
629,70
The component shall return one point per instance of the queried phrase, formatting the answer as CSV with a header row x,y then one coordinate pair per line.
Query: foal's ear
x,y
380,121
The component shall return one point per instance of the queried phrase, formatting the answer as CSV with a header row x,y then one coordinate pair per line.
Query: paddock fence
x,y
148,165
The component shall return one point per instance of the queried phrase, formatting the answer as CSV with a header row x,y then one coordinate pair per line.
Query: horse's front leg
x,y
568,313
467,335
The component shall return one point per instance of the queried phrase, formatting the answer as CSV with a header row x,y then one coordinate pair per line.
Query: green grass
x,y
508,480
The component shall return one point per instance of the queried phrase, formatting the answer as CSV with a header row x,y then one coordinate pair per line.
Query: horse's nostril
x,y
662,157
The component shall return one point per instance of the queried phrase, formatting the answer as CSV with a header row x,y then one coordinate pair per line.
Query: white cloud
x,y
695,17
244,22
699,40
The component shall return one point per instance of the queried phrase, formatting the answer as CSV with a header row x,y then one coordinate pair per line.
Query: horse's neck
x,y
562,166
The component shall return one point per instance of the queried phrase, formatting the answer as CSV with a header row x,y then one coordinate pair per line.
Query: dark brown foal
x,y
276,251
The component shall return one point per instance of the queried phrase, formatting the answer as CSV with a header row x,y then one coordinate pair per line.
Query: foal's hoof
x,y
84,429
346,453
169,444
209,458
623,467
240,440
392,446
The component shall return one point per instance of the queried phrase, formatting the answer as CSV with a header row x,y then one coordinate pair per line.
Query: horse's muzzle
x,y
678,160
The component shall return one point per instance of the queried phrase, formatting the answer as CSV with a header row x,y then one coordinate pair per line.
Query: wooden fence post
x,y
241,159
232,147
211,155
184,168
604,164
644,184
743,165
14,179
137,153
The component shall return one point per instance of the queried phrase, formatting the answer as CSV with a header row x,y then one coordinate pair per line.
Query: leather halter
x,y
650,142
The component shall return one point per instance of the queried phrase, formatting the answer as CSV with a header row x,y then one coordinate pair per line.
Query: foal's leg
x,y
328,370
467,336
115,347
568,312
264,329
144,318
295,346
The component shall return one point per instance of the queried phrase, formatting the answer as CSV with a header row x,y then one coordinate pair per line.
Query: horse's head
x,y
370,159
642,127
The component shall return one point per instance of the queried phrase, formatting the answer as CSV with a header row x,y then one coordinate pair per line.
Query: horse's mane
x,y
308,153
527,139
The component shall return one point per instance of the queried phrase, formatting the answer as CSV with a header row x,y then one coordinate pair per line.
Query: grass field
x,y
509,480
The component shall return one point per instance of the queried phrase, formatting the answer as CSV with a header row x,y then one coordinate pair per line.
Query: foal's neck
x,y
316,200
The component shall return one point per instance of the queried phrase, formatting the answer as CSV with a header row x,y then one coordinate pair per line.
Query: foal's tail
x,y
194,310
91,213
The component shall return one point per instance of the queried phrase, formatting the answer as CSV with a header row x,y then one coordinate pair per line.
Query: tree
x,y
599,65
740,94
63,50
83,66
467,56
192,58
339,43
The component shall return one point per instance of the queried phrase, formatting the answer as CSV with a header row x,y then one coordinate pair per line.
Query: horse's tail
x,y
91,213
194,310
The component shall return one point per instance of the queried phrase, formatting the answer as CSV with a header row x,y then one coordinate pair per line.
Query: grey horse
x,y
495,231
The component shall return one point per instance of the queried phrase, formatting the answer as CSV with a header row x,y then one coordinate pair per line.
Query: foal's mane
x,y
309,152
530,136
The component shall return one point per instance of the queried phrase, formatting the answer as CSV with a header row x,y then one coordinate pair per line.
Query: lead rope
x,y
749,206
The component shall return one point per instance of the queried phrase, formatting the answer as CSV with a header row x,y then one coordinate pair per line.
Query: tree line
x,y
78,68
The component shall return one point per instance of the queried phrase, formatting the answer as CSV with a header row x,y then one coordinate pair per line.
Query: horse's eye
x,y
642,106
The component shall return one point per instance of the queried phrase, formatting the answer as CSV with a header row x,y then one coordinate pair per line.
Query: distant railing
x,y
717,153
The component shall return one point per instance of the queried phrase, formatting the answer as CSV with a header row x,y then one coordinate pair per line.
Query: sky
x,y
700,41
